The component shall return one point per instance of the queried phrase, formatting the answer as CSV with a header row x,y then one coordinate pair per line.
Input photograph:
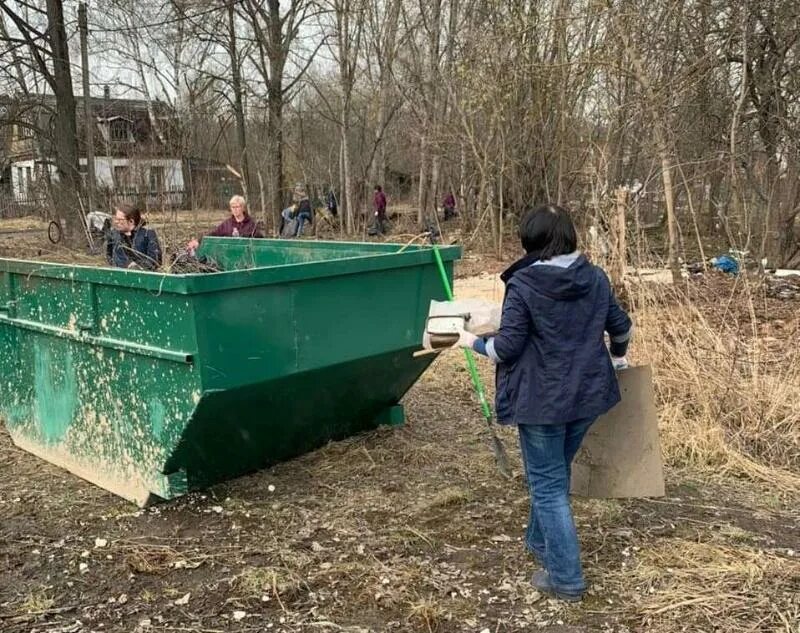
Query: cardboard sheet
x,y
621,453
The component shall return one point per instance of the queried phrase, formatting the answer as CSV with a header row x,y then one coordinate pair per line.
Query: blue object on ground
x,y
726,264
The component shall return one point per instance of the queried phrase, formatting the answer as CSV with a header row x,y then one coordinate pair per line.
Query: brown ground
x,y
405,529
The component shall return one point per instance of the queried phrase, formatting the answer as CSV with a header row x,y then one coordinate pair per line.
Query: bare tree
x,y
769,48
276,55
44,34
347,18
384,20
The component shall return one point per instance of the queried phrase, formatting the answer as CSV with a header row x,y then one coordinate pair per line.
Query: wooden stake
x,y
621,255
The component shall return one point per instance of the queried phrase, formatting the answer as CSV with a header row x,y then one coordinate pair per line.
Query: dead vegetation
x,y
727,375
723,585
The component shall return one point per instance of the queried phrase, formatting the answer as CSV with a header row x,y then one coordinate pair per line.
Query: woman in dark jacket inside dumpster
x,y
555,377
130,244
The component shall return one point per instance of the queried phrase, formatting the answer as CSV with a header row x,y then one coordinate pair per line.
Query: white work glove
x,y
619,363
465,339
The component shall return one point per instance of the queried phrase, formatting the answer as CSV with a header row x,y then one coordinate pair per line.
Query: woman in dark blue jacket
x,y
130,244
555,376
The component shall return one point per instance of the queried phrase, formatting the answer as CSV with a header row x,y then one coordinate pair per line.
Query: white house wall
x,y
19,179
140,170
104,169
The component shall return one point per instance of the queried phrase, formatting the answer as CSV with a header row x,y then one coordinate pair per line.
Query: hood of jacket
x,y
564,277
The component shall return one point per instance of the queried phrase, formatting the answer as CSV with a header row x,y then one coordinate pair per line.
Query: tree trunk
x,y
463,195
435,189
657,117
342,187
492,211
277,60
378,168
238,104
500,204
620,257
65,131
349,198
430,90
422,191
669,199
275,150
349,26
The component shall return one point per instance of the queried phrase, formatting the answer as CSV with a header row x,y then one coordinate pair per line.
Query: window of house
x,y
122,175
20,181
157,178
121,131
28,176
22,131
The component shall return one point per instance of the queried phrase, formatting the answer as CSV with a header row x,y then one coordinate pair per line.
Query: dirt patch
x,y
487,286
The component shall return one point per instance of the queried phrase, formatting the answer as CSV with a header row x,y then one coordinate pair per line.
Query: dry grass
x,y
37,602
156,558
445,498
428,612
727,391
255,582
684,584
151,559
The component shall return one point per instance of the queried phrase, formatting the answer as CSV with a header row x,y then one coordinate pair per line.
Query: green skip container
x,y
151,385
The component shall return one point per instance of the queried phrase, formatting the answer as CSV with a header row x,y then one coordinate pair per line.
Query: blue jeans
x,y
302,218
547,454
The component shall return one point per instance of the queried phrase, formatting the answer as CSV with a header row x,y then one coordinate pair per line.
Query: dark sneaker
x,y
541,582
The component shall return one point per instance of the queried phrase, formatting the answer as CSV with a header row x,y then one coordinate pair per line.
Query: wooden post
x,y
620,241
263,203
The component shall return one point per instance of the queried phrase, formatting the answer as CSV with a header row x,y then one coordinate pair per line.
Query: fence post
x,y
620,259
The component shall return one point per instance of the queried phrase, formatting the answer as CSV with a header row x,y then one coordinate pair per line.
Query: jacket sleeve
x,y
618,325
153,251
515,330
219,231
110,248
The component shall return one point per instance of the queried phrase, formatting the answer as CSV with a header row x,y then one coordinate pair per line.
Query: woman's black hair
x,y
548,231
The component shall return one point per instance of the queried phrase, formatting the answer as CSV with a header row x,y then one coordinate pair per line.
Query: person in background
x,y
555,377
239,224
304,213
332,203
129,243
379,206
449,205
288,226
294,217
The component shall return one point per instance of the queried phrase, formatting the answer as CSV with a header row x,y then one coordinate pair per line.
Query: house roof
x,y
100,105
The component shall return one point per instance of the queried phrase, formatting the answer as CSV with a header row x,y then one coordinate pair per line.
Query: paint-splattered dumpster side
x,y
97,371
149,384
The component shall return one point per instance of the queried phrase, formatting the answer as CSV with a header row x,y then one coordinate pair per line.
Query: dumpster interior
x,y
243,254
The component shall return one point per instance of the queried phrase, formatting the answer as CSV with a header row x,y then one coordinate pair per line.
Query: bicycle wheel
x,y
54,232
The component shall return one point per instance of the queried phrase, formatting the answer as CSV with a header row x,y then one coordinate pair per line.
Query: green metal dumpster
x,y
151,385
